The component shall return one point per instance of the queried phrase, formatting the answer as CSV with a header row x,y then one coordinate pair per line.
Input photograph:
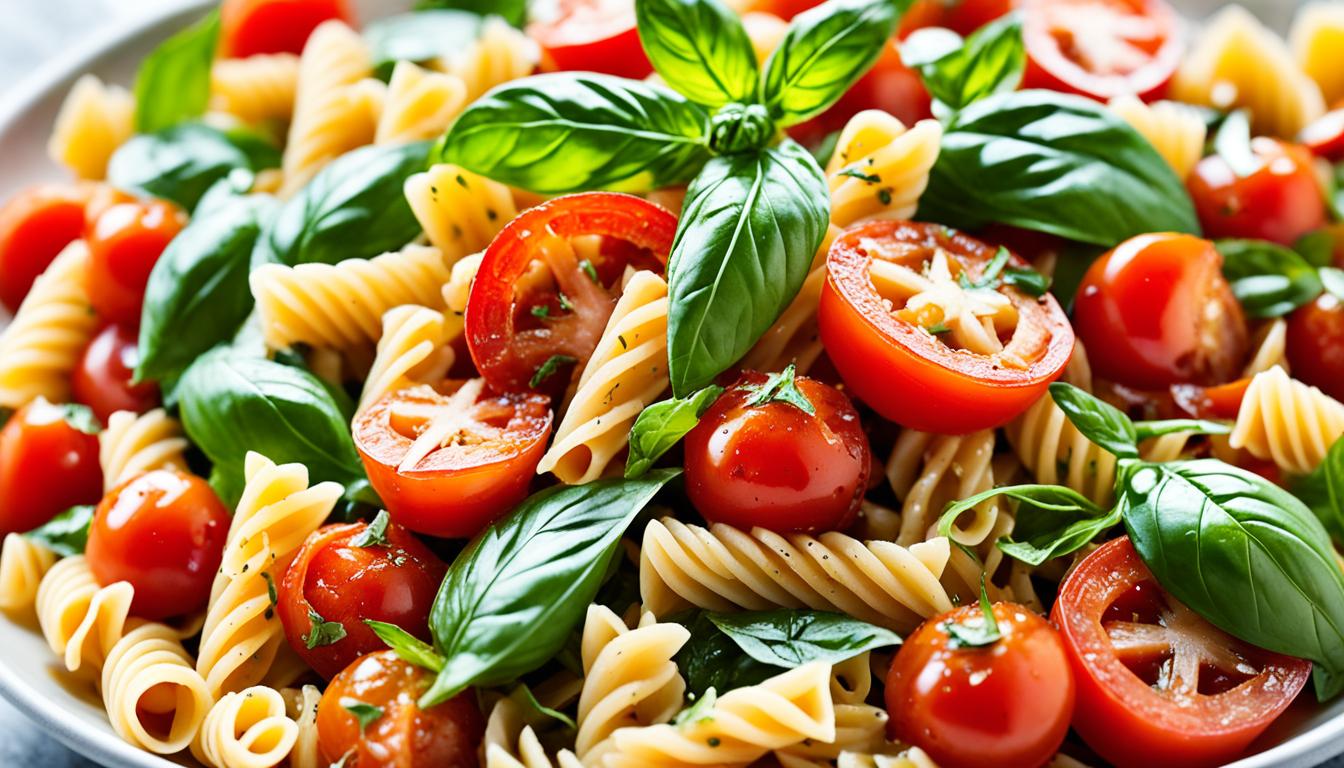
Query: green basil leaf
x,y
538,568
182,162
1323,491
1317,247
67,533
1146,429
711,660
1335,199
80,418
1268,279
957,74
375,533
1052,520
353,208
322,632
535,710
974,631
749,229
420,37
569,131
1099,421
1244,554
700,48
1054,163
365,713
791,638
173,83
512,11
662,425
409,647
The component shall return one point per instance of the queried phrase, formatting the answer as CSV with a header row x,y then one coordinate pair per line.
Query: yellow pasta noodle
x,y
414,349
154,698
880,168
1175,130
133,445
500,54
255,89
459,211
458,289
858,728
23,563
246,729
913,757
94,120
511,741
1271,348
1287,422
1316,39
41,346
81,620
301,706
420,104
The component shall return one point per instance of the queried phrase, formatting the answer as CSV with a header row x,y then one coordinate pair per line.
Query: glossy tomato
x,y
163,532
780,453
960,16
1157,311
351,573
917,349
402,735
1325,136
1101,48
784,9
125,242
103,379
1316,344
1157,685
890,86
1278,198
592,36
34,226
250,27
48,463
1005,704
448,460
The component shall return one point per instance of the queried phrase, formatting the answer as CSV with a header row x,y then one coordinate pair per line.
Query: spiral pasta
x,y
94,120
913,757
246,729
255,89
414,349
511,742
1287,422
880,168
41,346
154,698
458,289
459,211
23,563
858,728
1271,348
1316,39
301,706
420,104
1175,130
133,445
500,54
928,471
81,620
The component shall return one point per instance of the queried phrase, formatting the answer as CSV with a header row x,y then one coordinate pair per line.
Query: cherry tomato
x,y
960,16
784,9
250,27
1325,136
124,244
1316,344
592,36
1157,311
1101,48
103,379
902,354
1158,685
48,463
754,460
889,86
1218,402
448,460
34,226
164,532
403,735
1007,704
520,323
1280,200
345,574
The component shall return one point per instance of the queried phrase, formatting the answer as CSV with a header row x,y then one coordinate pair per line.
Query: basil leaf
x,y
1335,198
974,631
409,647
366,714
1099,421
1323,491
700,711
749,229
1268,279
700,48
173,83
537,710
353,208
992,60
791,638
538,568
1055,163
1146,429
182,162
420,37
1242,553
65,534
662,425
322,632
1052,520
80,418
569,131
375,533
1317,247
711,660
826,50
512,11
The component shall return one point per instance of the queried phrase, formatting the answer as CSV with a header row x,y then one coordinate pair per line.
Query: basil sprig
x,y
66,534
421,37
1323,491
1052,521
1271,280
173,84
958,73
182,162
661,425
701,48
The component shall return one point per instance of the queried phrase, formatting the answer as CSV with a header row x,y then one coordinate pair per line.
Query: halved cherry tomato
x,y
163,532
347,575
447,460
1279,201
1157,311
446,735
960,16
1007,704
124,244
1158,685
774,465
103,379
889,86
250,27
592,36
1101,48
1316,344
48,463
34,226
1325,136
901,352
521,320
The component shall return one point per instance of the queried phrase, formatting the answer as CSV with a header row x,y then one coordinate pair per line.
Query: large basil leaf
x,y
662,425
1098,420
173,83
1144,430
510,600
791,638
65,534
1052,521
567,131
513,11
711,659
1055,163
700,48
353,208
182,162
1242,553
420,37
990,61
1268,279
1323,491
749,229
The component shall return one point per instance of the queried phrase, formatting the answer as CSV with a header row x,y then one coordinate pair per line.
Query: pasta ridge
x,y
23,563
133,445
460,211
148,671
1288,422
246,729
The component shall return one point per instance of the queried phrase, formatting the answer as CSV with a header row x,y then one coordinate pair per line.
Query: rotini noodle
x,y
858,728
255,89
880,168
420,104
301,706
81,620
148,678
94,120
330,118
1271,348
1316,39
459,211
23,563
42,345
512,742
133,445
414,349
500,54
1287,422
246,729
1175,130
913,757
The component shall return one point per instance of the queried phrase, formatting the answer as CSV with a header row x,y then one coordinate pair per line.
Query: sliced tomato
x,y
1277,198
592,36
250,27
1101,48
902,354
449,459
1325,136
1157,685
538,306
960,16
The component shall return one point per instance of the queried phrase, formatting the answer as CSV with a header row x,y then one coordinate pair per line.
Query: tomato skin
x,y
103,379
405,736
1005,705
46,467
1156,311
773,465
35,225
348,584
1047,30
961,16
593,36
784,9
1280,202
1316,344
251,27
1324,137
124,244
164,532
889,86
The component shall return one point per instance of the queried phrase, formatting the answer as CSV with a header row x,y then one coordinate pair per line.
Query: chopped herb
x,y
375,534
1027,280
854,173
938,328
977,632
989,279
884,196
548,368
564,301
542,311
81,418
781,387
270,592
699,711
367,714
589,270
323,632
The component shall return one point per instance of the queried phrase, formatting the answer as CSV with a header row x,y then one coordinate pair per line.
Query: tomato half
x,y
48,463
1279,199
1325,136
34,226
536,301
1156,311
103,379
1316,344
250,27
125,242
1101,48
960,16
592,36
1158,685
1007,704
890,86
900,351
447,460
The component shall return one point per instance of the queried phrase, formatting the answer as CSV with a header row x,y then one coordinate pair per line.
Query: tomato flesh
x,y
593,36
35,225
1101,48
251,27
960,16
47,465
1325,136
1279,199
1316,344
103,379
124,244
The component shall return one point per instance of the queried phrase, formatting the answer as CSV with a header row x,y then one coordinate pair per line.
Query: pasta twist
x,y
154,698
913,757
301,706
458,289
1287,422
420,104
459,211
81,620
23,563
1175,130
414,349
94,120
247,729
929,471
41,346
133,445
500,54
511,742
1271,348
255,89
880,168
1316,39
858,728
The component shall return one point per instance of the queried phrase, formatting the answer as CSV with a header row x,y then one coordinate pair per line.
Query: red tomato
x,y
773,464
124,244
1325,136
1007,704
48,463
103,379
884,344
889,86
250,27
403,736
1280,201
1217,402
784,9
1157,311
1101,48
448,460
1158,685
1316,344
34,226
592,36
163,532
346,580
960,16
510,341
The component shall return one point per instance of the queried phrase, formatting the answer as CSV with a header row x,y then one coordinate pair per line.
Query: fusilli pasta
x,y
420,104
42,344
81,620
880,168
1316,39
133,445
301,706
1175,130
246,729
23,563
414,349
154,699
910,758
257,88
500,54
94,120
459,211
512,742
1287,422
